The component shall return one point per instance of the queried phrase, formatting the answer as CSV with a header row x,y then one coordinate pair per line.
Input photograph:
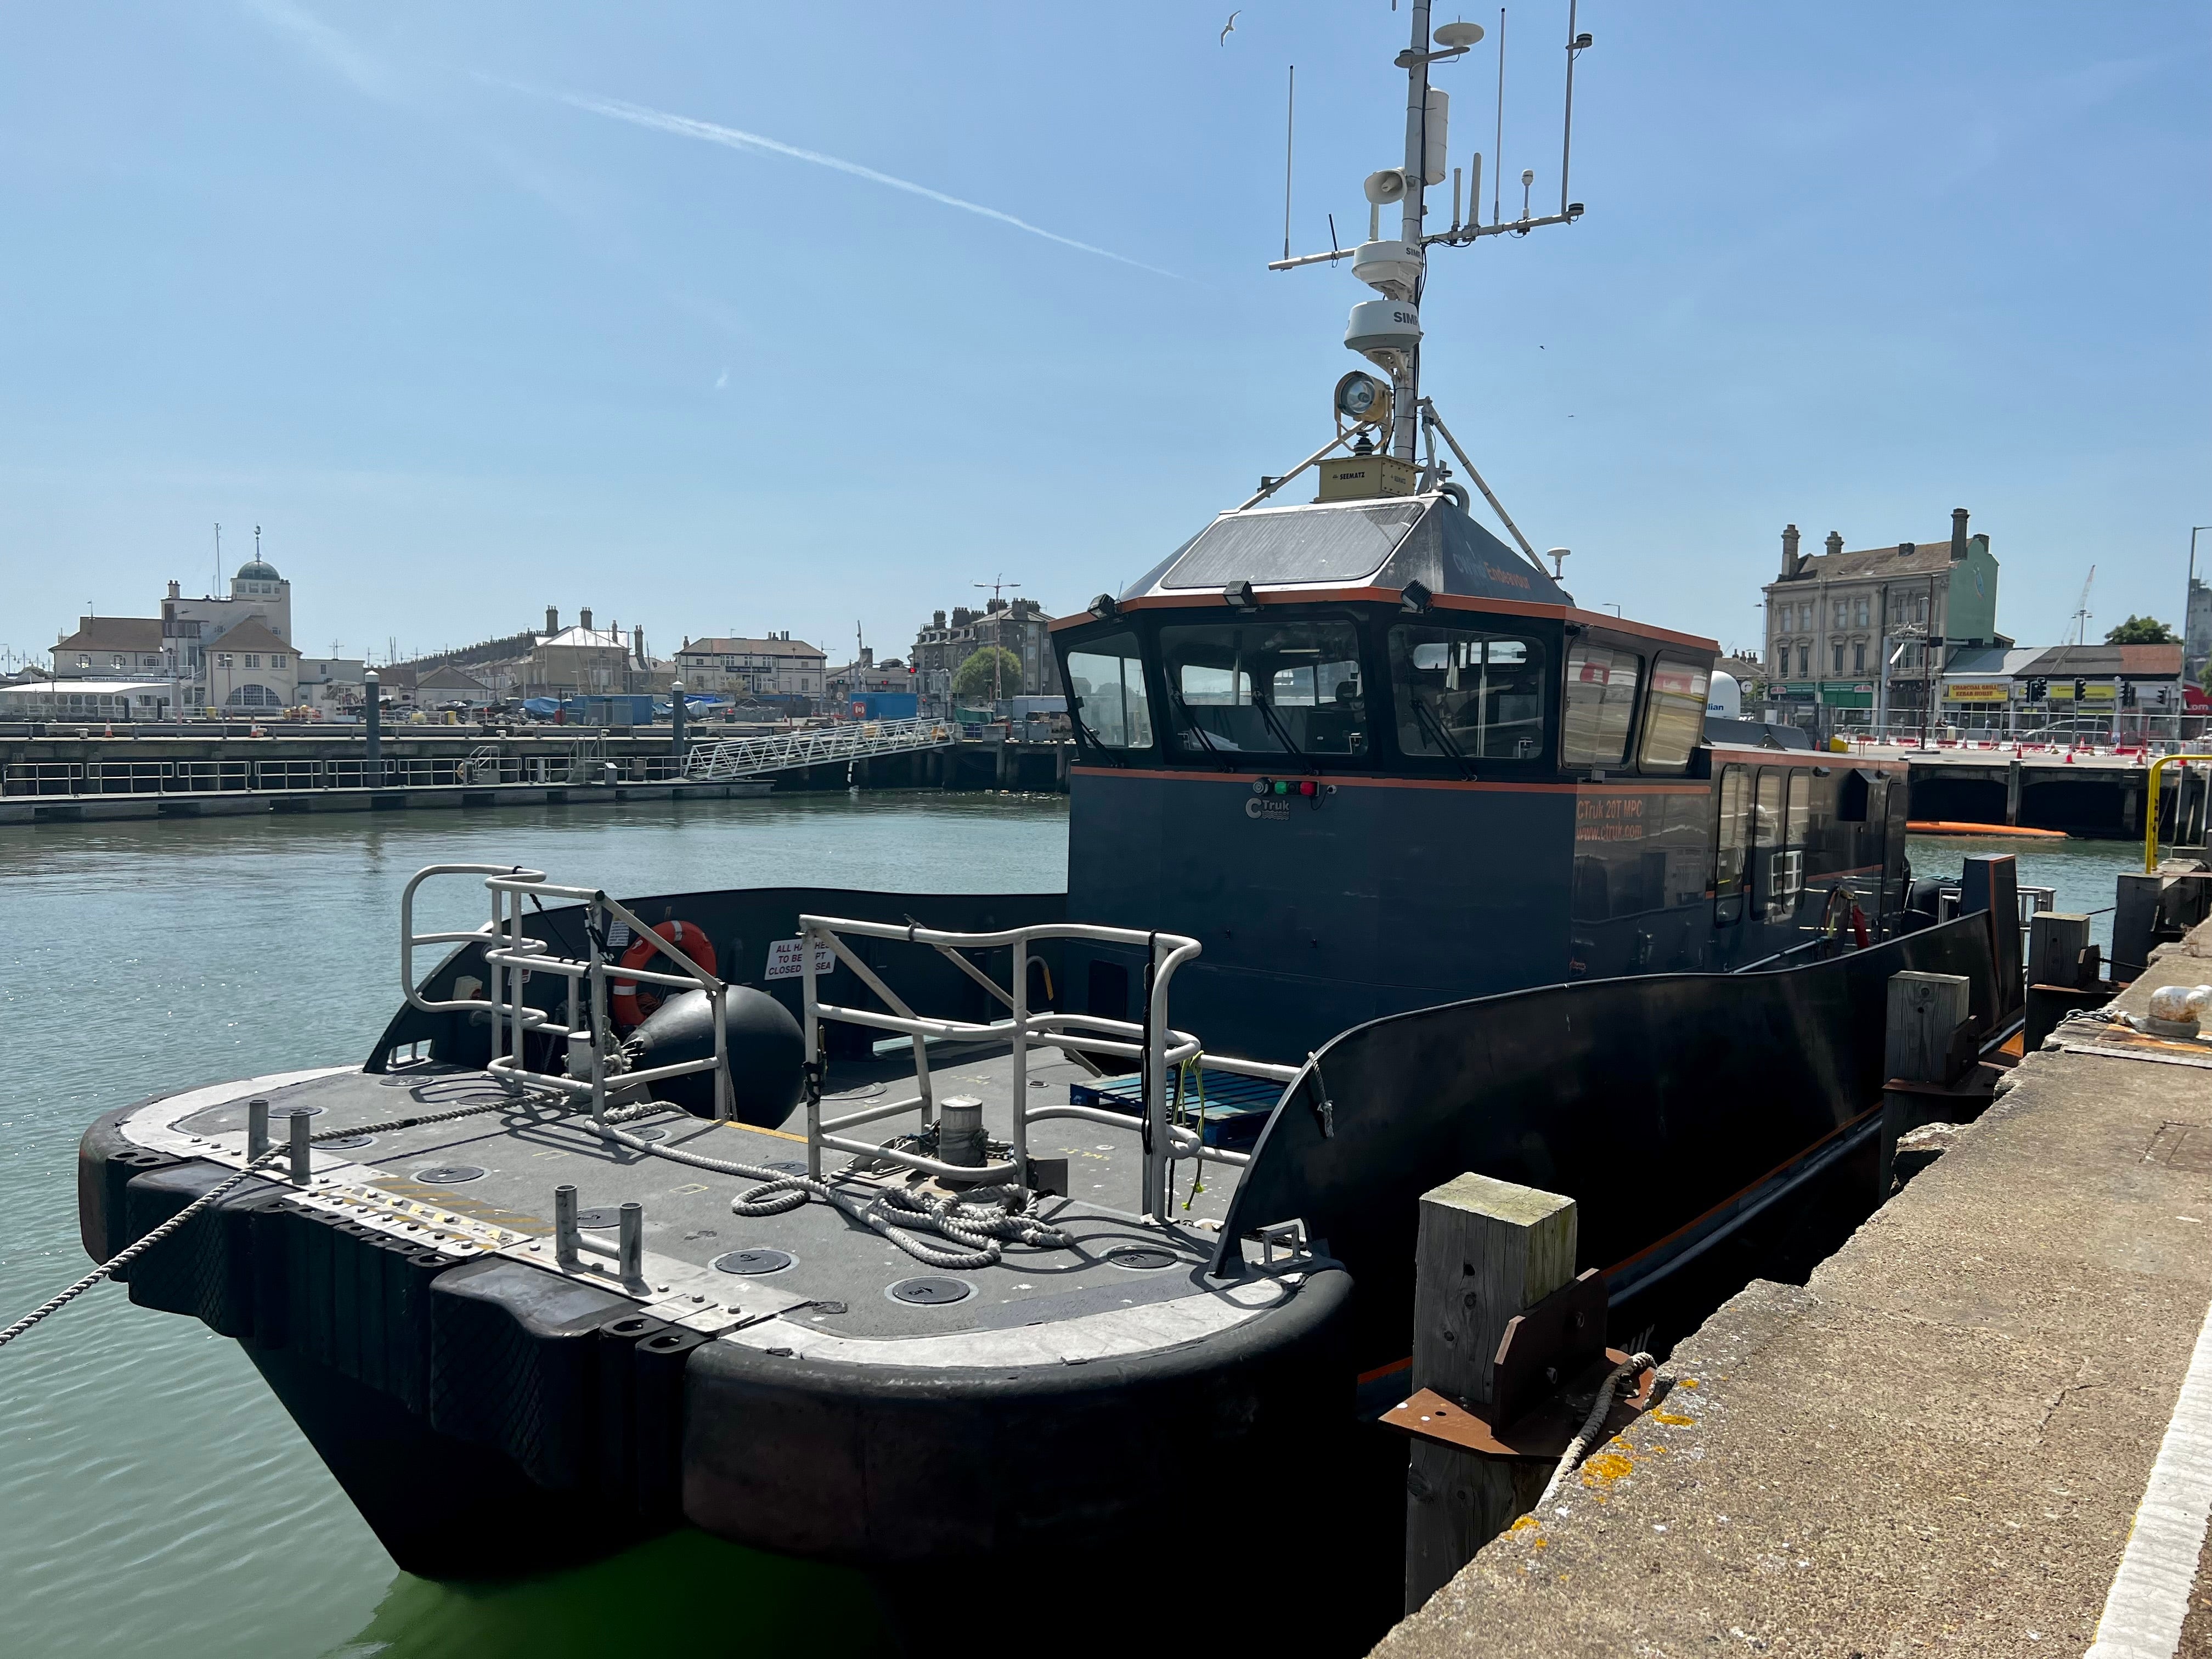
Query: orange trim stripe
x,y
1205,599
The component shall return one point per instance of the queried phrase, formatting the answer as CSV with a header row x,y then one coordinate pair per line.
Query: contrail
x,y
731,137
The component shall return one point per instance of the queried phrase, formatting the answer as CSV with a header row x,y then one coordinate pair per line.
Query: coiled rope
x,y
1635,1364
131,1253
979,1219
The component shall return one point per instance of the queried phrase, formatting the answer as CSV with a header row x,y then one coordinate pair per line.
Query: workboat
x,y
914,1231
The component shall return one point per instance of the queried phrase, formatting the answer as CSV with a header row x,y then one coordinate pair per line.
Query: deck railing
x,y
1154,1043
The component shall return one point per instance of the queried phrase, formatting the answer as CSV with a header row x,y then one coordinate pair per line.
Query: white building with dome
x,y
217,666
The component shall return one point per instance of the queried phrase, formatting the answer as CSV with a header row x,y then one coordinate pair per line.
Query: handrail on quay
x,y
2150,806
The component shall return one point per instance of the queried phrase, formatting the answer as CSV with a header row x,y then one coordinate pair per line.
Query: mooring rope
x,y
1633,1365
979,1218
131,1253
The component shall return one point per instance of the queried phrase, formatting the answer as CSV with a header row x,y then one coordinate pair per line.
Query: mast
x,y
1405,416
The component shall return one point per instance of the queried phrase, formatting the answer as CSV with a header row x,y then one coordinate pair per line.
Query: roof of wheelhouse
x,y
1363,550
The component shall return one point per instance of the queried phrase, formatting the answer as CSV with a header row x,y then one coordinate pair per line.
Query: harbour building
x,y
778,669
1873,628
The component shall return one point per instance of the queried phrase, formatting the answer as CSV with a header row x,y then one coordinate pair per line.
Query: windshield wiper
x,y
1190,721
1436,727
1083,727
1282,732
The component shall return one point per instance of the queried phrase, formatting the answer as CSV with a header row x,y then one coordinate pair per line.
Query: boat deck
x,y
485,1184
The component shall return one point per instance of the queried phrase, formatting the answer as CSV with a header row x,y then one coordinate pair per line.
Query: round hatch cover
x,y
927,1291
650,1134
788,1165
754,1262
295,1111
600,1215
1141,1258
347,1143
448,1174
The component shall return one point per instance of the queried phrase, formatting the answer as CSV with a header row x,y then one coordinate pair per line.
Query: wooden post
x,y
1923,1011
2135,924
1488,1250
2056,940
2012,793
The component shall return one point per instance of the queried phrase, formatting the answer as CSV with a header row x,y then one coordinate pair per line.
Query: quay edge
x,y
1941,1438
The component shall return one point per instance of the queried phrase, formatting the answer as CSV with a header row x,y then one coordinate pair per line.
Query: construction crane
x,y
2081,611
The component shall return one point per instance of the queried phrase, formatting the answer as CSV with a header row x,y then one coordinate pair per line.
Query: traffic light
x,y
2127,694
2081,690
2037,690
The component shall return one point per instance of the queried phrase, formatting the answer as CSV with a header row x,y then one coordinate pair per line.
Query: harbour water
x,y
154,1498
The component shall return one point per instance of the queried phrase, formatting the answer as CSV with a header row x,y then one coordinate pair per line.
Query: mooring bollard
x,y
257,1128
303,1168
1924,1014
1488,1251
2056,940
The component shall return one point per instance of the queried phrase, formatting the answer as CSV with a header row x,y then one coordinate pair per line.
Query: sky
x,y
727,317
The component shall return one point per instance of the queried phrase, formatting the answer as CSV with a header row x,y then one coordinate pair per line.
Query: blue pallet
x,y
1237,1107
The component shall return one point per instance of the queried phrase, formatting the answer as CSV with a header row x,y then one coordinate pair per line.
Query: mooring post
x,y
1488,1251
2056,940
2012,792
2135,924
257,1127
1924,1012
303,1157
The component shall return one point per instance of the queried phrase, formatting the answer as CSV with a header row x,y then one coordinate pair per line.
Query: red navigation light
x,y
1308,787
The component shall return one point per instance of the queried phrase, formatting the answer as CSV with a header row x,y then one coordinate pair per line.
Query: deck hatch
x,y
1296,544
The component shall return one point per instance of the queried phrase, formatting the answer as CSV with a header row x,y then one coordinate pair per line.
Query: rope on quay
x,y
1629,1367
131,1253
979,1219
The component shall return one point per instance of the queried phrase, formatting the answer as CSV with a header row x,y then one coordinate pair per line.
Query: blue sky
x,y
462,305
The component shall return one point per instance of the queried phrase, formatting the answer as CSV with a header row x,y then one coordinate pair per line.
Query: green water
x,y
154,1498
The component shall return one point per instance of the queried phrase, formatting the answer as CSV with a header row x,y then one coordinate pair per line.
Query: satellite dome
x,y
255,570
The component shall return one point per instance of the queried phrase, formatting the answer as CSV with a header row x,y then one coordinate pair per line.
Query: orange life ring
x,y
631,1002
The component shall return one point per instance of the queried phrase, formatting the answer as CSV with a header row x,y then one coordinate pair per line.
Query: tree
x,y
2142,631
974,677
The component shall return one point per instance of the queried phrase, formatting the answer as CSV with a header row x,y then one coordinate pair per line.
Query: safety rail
x,y
1154,1043
592,1057
820,745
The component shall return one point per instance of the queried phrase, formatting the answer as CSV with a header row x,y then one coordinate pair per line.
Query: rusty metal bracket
x,y
1555,1339
1540,1436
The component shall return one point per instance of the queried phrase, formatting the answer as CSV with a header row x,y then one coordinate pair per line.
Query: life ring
x,y
631,1002
1840,911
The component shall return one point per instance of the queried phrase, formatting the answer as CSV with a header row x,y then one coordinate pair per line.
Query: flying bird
x,y
1229,27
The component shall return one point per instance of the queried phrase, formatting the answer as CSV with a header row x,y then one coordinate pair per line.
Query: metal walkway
x,y
749,757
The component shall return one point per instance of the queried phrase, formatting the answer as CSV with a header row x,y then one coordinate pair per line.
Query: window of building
x,y
1858,658
222,659
1600,703
1841,612
1804,659
276,659
1464,695
1839,655
83,660
1675,718
1106,690
1859,612
252,659
1267,687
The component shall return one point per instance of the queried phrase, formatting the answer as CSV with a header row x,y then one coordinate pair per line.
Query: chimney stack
x,y
637,645
1958,535
1788,551
552,619
584,619
175,593
1835,542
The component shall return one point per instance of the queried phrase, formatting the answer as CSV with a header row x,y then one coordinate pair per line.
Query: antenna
x,y
1575,43
1497,150
218,560
1290,129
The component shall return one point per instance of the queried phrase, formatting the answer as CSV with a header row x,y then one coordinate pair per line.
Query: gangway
x,y
819,745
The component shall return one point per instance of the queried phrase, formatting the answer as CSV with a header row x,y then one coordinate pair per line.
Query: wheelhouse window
x,y
1106,690
1731,838
1675,717
1288,688
1601,704
1468,697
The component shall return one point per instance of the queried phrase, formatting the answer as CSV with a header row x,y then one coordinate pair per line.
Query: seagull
x,y
1229,27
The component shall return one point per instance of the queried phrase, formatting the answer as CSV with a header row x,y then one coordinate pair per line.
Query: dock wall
x,y
1939,1441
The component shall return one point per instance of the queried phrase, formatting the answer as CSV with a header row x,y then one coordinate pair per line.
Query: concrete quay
x,y
1944,1441
109,808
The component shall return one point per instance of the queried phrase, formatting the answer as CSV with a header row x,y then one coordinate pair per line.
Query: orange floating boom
x,y
1952,827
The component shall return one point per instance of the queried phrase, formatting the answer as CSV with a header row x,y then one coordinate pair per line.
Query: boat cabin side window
x,y
1601,704
1280,688
1468,697
1106,690
1675,717
1777,863
1731,841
